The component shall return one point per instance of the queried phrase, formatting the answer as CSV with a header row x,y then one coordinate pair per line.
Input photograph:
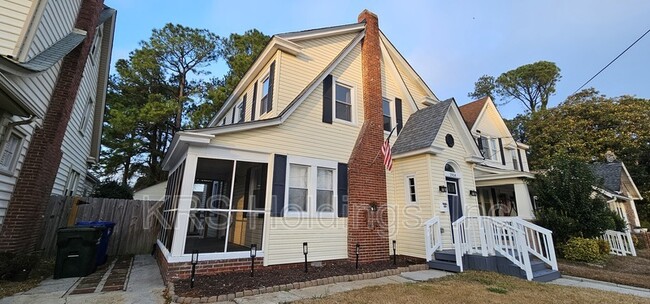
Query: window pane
x,y
298,176
451,188
9,152
325,179
206,231
343,94
297,200
386,107
387,124
343,111
245,229
324,201
265,87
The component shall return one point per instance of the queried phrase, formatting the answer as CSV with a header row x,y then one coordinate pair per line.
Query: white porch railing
x,y
513,238
433,236
539,240
620,243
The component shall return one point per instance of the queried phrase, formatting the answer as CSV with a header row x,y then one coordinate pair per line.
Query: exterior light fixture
x,y
253,255
442,188
473,193
305,251
195,260
394,252
356,251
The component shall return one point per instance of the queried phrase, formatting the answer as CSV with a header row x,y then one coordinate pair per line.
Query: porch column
x,y
524,205
184,204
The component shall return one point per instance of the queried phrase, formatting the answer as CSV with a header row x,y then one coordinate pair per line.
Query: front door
x,y
453,196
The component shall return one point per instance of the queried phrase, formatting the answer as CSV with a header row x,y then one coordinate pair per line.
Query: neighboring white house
x,y
35,38
501,180
619,189
294,157
152,193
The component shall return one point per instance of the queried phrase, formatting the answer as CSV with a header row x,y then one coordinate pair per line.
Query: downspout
x,y
11,125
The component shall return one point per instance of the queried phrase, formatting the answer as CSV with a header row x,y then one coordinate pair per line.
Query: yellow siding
x,y
416,90
296,72
406,219
491,124
13,17
456,154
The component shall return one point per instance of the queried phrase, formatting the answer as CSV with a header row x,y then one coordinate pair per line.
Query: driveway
x,y
140,280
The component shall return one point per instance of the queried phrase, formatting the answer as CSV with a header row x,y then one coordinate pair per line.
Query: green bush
x,y
603,246
16,267
582,250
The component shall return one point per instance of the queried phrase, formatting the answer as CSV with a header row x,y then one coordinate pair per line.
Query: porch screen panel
x,y
170,206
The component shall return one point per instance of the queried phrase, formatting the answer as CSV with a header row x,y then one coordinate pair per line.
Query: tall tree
x,y
588,125
484,86
180,51
532,84
239,51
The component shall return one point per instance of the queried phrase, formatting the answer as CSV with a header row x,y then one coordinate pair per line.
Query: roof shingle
x,y
472,110
421,129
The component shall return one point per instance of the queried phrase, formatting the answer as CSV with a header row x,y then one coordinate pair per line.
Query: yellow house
x,y
292,164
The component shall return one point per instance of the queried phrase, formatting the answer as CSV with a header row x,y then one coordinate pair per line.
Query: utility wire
x,y
619,55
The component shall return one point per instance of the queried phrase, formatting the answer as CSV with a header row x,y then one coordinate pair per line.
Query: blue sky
x,y
449,43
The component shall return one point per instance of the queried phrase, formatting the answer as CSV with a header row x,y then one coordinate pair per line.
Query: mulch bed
x,y
626,270
230,282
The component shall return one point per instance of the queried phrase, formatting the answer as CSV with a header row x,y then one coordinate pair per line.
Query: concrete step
x,y
444,265
546,275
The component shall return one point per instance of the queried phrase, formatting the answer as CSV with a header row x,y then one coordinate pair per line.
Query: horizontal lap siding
x,y
406,219
416,90
458,154
491,124
296,72
76,144
13,17
327,239
57,22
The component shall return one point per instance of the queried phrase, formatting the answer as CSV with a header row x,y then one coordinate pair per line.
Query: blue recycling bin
x,y
102,248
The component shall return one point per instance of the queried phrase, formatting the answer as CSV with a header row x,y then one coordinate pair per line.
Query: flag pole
x,y
389,135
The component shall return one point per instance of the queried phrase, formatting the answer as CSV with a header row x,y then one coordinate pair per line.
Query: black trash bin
x,y
76,254
102,249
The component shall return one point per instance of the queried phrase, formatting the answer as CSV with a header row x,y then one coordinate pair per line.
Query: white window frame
x,y
93,50
16,154
266,77
86,116
72,182
407,188
492,147
312,184
353,112
240,112
392,114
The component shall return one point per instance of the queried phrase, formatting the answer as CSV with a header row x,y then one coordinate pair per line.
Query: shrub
x,y
113,189
16,267
603,246
582,250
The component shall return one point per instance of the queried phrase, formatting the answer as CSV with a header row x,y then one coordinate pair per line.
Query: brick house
x,y
54,64
294,157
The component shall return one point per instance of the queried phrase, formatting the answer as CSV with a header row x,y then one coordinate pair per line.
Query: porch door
x,y
453,197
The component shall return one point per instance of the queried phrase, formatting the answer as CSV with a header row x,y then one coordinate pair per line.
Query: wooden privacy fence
x,y
136,222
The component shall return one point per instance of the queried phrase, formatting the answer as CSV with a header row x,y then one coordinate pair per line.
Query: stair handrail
x,y
458,238
469,237
620,243
510,241
538,240
433,237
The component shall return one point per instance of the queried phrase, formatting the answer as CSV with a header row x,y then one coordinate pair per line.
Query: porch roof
x,y
421,129
488,174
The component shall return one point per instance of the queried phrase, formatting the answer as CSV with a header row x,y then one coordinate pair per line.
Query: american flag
x,y
385,150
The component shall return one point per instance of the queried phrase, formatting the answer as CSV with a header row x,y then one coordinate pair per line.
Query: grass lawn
x,y
628,270
43,270
477,287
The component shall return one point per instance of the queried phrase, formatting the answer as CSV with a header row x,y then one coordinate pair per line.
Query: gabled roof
x,y
422,127
614,176
472,111
323,31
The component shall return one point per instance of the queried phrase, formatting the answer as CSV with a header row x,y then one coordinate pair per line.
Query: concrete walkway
x,y
600,285
144,286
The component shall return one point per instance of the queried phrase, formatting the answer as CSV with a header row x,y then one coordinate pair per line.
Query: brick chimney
x,y
367,207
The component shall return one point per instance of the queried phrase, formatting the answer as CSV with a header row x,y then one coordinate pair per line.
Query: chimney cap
x,y
366,14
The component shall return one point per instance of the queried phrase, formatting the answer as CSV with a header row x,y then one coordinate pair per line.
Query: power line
x,y
619,55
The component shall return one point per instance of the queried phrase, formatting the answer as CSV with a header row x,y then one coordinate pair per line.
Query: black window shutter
x,y
503,157
271,80
343,190
521,163
243,107
279,179
253,103
398,114
232,120
480,144
327,99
